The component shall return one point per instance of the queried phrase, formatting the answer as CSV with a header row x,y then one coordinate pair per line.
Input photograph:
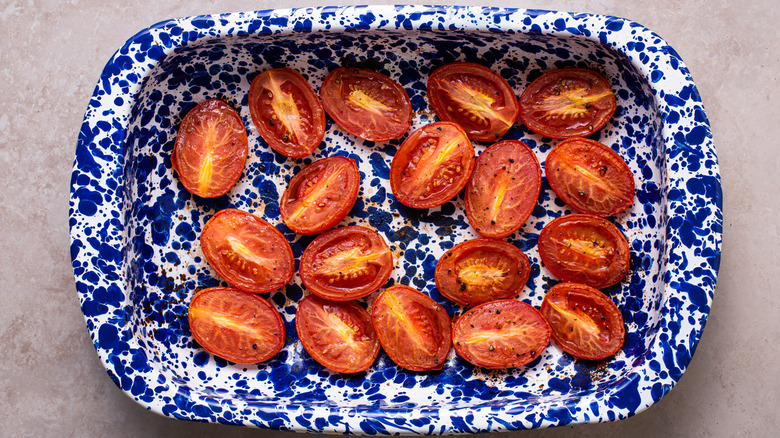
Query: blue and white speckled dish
x,y
134,229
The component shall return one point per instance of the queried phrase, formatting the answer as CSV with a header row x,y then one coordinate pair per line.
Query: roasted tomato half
x,y
481,270
320,195
585,322
210,150
414,330
500,334
590,177
338,335
475,97
569,102
247,252
503,189
346,263
237,326
584,249
286,112
432,165
366,103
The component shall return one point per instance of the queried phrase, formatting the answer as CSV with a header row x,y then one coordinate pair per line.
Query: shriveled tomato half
x,y
481,270
366,103
320,195
237,326
346,263
432,165
590,177
414,330
500,334
338,335
584,321
568,102
475,97
503,189
286,111
210,150
247,252
584,249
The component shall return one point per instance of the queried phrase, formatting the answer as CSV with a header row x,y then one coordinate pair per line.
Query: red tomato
x,y
320,196
501,334
338,335
590,177
584,249
475,97
247,252
504,189
569,102
432,165
210,150
237,326
584,321
366,103
481,270
414,330
286,112
346,263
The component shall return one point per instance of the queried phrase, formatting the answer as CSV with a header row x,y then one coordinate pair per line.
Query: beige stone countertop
x,y
51,55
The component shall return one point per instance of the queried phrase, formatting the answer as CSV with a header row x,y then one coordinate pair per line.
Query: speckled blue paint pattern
x,y
134,229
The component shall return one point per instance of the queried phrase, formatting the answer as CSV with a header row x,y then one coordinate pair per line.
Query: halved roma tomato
x,y
286,112
584,249
210,150
569,102
481,270
338,335
432,165
503,189
247,252
320,195
414,330
366,103
585,322
237,326
500,334
346,263
590,177
475,97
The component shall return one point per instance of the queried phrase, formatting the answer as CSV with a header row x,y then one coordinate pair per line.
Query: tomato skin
x,y
481,270
414,330
503,189
585,322
569,102
247,252
366,103
501,334
286,111
584,249
211,149
346,263
590,177
432,165
320,195
338,335
475,97
241,327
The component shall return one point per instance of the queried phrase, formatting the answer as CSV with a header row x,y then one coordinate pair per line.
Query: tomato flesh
x,y
237,326
338,335
503,189
481,270
210,150
247,252
585,322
